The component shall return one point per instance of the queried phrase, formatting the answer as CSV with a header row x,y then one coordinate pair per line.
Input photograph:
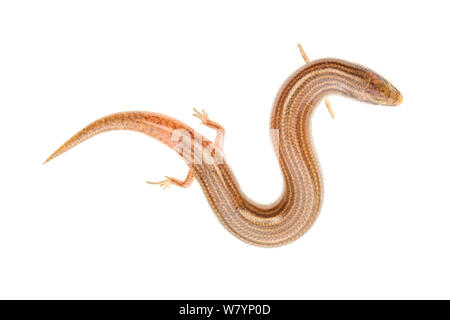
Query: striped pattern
x,y
299,204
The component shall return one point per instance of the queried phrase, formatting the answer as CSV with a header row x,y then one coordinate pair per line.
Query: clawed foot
x,y
203,116
165,184
170,181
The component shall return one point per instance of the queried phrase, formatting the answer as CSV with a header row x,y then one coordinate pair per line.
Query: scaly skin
x,y
299,204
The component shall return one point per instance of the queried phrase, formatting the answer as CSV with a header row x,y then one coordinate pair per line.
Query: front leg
x,y
305,57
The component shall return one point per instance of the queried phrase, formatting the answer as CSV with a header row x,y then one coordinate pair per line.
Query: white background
x,y
88,226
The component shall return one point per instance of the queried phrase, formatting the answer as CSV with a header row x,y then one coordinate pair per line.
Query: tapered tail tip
x,y
50,158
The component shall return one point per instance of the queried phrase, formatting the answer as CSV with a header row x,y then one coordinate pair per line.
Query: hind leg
x,y
218,145
174,181
203,116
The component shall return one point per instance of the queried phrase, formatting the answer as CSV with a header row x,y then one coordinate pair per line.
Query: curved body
x,y
299,204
